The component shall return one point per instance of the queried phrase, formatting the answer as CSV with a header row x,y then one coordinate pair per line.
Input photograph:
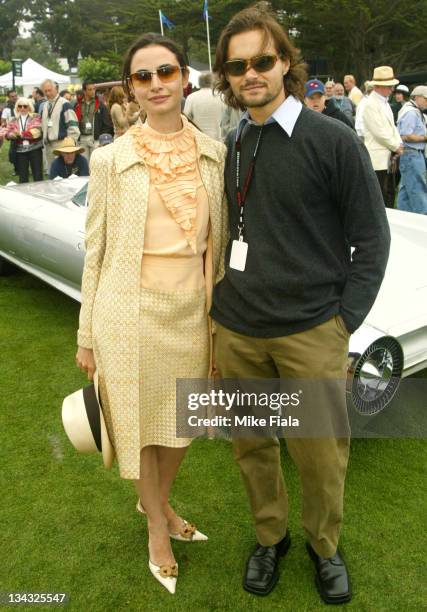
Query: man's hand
x,y
86,361
399,151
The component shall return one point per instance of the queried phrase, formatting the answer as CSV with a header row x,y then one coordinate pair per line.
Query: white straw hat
x,y
384,75
84,422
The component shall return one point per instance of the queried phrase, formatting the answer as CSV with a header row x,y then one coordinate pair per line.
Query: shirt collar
x,y
286,116
380,97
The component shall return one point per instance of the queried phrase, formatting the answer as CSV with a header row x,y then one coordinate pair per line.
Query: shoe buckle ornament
x,y
188,531
168,571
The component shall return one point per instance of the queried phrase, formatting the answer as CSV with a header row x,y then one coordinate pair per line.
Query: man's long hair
x,y
258,18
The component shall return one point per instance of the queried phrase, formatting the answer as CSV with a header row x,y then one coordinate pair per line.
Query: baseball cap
x,y
105,139
402,88
313,86
420,90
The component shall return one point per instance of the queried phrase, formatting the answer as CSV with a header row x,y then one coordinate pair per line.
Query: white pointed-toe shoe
x,y
188,533
167,575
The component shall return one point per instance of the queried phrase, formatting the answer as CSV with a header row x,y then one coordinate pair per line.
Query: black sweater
x,y
312,198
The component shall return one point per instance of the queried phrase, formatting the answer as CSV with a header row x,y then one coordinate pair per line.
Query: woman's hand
x,y
86,361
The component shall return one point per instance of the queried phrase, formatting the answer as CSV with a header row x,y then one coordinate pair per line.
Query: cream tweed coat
x,y
109,315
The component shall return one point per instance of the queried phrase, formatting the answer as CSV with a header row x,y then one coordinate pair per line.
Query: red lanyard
x,y
241,195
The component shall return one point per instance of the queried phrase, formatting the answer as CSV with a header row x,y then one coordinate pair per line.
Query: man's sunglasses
x,y
260,63
166,74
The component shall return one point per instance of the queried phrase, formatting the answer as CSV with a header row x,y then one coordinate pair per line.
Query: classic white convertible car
x,y
42,231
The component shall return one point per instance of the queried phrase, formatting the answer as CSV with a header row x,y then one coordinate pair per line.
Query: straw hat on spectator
x,y
68,146
384,76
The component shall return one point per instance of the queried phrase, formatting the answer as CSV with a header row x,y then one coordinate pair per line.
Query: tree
x,y
352,35
38,48
97,71
11,13
73,27
357,35
5,67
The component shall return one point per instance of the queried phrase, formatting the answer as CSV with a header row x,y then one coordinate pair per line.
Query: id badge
x,y
50,123
26,143
239,252
88,125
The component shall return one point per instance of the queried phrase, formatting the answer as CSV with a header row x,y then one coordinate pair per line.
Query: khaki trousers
x,y
89,145
320,352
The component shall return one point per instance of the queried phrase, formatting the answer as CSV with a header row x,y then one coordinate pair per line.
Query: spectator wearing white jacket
x,y
358,122
382,138
205,108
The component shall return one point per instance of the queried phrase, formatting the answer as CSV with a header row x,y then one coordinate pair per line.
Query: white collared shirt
x,y
285,115
384,100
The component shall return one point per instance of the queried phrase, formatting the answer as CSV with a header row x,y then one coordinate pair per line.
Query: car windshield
x,y
58,191
81,196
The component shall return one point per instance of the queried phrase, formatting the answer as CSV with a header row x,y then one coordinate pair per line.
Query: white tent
x,y
194,76
32,75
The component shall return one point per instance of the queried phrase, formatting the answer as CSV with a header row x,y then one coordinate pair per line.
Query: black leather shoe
x,y
262,568
332,580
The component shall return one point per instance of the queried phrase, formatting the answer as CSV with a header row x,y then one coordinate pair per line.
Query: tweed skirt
x,y
173,343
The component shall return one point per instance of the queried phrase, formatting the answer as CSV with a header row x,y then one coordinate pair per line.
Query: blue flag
x,y
166,21
205,10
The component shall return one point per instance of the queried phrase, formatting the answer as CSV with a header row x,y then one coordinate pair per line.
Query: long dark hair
x,y
148,40
259,18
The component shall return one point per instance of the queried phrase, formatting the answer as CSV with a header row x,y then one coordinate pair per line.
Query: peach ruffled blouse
x,y
177,222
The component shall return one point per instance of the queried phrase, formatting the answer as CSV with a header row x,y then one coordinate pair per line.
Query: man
x,y
230,119
345,105
382,138
66,94
292,293
94,119
358,123
105,139
58,120
9,110
329,89
39,100
7,115
401,96
68,161
315,99
205,108
353,92
411,124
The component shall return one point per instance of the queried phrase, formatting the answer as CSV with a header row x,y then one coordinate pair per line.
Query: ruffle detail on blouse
x,y
171,159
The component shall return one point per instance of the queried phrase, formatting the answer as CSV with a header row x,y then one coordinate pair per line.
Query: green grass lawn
x,y
6,169
68,525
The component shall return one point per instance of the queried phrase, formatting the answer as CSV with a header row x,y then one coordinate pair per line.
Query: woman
x,y
156,235
119,111
25,130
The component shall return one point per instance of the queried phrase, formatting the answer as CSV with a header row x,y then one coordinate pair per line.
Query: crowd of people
x,y
54,132
393,130
394,133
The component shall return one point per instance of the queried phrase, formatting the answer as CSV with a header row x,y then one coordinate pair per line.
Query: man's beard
x,y
268,97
